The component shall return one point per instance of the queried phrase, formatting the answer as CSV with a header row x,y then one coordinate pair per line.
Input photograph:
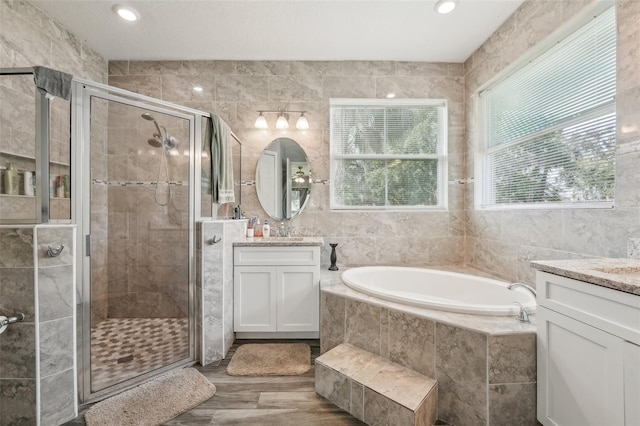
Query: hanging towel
x,y
53,82
222,161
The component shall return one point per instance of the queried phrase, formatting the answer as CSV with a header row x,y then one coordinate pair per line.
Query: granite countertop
x,y
279,241
617,274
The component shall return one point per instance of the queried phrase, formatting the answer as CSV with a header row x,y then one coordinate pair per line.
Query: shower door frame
x,y
82,93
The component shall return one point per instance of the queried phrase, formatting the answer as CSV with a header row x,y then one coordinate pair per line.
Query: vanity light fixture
x,y
126,12
445,6
261,122
282,122
197,88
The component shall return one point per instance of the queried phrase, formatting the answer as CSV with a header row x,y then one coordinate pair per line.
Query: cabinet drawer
x,y
274,255
610,310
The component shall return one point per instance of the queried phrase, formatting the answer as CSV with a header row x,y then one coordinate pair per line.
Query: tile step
x,y
374,389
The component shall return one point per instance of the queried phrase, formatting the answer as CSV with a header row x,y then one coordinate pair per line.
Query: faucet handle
x,y
523,316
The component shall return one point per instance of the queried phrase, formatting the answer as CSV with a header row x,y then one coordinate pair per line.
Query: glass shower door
x,y
139,217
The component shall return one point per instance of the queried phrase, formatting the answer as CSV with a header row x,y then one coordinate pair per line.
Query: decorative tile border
x,y
135,183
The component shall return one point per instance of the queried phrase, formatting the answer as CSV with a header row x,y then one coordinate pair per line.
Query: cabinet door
x,y
580,373
298,295
254,298
631,384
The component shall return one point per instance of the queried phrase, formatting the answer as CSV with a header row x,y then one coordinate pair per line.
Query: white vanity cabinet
x,y
276,291
588,353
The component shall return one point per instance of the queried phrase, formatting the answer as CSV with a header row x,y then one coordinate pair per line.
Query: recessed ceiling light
x,y
391,95
197,88
126,12
445,6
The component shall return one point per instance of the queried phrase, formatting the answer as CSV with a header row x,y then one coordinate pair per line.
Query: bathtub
x,y
441,290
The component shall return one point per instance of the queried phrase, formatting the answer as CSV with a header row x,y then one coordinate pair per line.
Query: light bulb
x,y
282,123
302,122
261,122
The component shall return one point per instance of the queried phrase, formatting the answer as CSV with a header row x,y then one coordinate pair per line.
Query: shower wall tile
x,y
17,351
58,396
16,247
18,401
16,292
56,288
56,346
148,85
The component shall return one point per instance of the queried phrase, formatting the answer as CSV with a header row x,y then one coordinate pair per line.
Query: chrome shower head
x,y
150,117
154,142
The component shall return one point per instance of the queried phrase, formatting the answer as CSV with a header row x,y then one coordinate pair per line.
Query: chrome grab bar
x,y
6,321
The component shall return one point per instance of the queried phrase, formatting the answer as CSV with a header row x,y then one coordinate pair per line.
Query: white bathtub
x,y
441,290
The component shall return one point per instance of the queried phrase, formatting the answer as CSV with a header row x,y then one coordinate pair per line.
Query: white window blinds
x,y
549,129
387,154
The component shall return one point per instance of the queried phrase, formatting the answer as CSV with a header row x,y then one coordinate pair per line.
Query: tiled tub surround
x,y
38,356
485,366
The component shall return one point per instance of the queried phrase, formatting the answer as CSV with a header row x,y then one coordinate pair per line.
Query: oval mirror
x,y
283,179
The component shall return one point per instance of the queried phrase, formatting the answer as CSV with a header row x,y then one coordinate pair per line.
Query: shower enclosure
x,y
136,165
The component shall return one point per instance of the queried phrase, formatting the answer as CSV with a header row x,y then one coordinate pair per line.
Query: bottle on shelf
x,y
266,229
28,183
11,181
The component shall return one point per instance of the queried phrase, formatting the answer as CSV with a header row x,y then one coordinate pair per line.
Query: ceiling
x,y
398,30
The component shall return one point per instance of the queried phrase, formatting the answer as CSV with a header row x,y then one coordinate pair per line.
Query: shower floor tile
x,y
123,348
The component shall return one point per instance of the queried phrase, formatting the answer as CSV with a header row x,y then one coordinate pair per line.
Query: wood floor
x,y
282,400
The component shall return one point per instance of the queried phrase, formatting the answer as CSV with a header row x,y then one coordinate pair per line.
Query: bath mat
x,y
270,359
154,402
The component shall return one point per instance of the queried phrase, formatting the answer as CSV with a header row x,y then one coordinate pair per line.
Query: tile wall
x,y
503,242
38,355
214,294
235,90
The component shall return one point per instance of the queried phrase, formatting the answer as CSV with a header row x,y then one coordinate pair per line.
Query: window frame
x,y
482,150
441,155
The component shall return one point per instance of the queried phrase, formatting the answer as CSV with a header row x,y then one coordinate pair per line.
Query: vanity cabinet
x,y
277,291
588,353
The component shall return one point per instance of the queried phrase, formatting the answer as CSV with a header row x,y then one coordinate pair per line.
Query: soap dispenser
x,y
11,181
266,229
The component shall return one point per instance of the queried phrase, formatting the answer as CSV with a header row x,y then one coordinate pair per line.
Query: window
x,y
548,130
388,154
